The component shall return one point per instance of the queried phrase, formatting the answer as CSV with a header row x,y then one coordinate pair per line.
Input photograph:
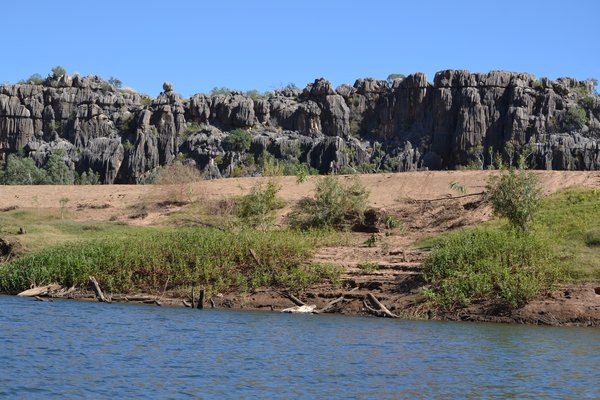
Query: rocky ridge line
x,y
460,119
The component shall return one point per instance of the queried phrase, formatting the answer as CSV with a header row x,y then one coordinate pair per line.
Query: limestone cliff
x,y
460,119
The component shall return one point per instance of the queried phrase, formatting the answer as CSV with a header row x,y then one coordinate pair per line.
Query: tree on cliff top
x,y
58,71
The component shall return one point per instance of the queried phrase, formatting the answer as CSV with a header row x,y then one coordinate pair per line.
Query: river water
x,y
69,349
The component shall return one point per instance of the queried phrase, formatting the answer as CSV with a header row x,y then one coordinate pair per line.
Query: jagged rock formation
x,y
460,119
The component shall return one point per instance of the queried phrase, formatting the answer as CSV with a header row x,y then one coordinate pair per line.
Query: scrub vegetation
x,y
508,262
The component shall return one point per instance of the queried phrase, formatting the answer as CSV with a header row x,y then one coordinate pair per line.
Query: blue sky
x,y
262,45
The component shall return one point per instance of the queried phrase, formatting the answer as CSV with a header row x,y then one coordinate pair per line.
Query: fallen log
x,y
383,310
332,303
99,295
293,299
186,303
212,303
40,290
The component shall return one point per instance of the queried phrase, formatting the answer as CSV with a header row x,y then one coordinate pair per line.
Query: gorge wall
x,y
461,119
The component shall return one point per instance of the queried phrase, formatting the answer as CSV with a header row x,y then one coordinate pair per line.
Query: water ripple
x,y
87,350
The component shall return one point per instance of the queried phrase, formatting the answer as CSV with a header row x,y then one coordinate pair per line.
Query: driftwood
x,y
38,298
329,305
99,295
449,198
186,303
293,298
382,311
332,303
62,292
164,289
212,302
40,290
255,257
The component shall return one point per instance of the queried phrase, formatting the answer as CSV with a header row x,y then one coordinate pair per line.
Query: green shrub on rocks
x,y
237,140
575,118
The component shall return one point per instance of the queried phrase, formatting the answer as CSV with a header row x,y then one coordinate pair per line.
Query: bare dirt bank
x,y
390,270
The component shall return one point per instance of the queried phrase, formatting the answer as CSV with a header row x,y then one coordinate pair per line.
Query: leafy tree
x,y
114,82
254,94
392,77
219,90
58,71
21,171
237,140
35,79
88,178
58,171
515,195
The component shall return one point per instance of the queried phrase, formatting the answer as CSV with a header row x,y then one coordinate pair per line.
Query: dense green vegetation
x,y
237,140
507,266
335,205
147,257
257,208
18,170
490,264
515,195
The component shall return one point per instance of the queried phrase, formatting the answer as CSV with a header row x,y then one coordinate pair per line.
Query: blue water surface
x,y
70,349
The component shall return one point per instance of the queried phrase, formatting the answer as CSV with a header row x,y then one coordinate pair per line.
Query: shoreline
x,y
568,306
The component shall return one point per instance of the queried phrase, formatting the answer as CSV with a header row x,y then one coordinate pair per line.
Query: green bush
x,y
21,171
35,79
237,140
515,195
258,207
88,178
58,173
58,71
504,267
335,205
575,118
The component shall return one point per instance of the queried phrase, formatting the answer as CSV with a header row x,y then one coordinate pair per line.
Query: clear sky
x,y
244,44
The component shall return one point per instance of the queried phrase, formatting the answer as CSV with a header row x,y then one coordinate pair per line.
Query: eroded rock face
x,y
462,118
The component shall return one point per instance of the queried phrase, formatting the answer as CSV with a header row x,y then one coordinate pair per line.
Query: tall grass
x,y
148,257
505,267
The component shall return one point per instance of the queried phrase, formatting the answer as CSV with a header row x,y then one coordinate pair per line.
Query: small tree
x,y
58,71
392,77
257,208
21,171
237,140
58,171
515,195
335,205
114,82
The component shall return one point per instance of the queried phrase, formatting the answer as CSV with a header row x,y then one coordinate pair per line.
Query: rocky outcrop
x,y
460,119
